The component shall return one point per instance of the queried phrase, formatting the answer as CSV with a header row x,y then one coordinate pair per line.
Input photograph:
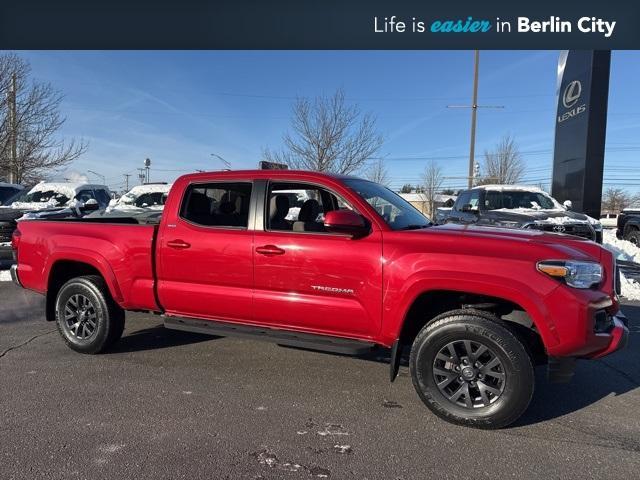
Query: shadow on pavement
x,y
154,338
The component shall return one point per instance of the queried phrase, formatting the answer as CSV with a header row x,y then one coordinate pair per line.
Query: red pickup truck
x,y
340,264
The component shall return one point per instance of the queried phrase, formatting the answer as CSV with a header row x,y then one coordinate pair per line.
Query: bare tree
x,y
616,199
32,131
504,165
432,180
378,173
328,136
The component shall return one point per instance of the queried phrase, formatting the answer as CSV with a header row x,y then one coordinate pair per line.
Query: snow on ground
x,y
5,276
623,250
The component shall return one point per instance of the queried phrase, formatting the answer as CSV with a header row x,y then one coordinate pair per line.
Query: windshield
x,y
510,199
396,211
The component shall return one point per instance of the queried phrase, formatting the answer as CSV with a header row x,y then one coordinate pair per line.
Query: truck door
x,y
204,251
307,278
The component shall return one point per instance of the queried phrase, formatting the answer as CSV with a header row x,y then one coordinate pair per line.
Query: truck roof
x,y
249,174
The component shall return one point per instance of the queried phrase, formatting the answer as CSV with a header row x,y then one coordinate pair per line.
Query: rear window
x,y
217,204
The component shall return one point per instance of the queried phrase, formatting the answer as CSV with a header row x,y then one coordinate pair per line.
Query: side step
x,y
281,337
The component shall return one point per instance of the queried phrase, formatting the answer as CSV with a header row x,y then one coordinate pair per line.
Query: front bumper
x,y
13,271
619,336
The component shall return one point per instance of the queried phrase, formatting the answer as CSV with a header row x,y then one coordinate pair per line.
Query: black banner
x,y
581,124
315,24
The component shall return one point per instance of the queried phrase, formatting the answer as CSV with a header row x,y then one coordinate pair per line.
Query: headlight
x,y
506,224
574,273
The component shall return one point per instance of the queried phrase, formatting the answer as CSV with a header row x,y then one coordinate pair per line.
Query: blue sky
x,y
179,107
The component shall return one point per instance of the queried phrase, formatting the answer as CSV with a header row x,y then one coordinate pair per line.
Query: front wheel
x,y
88,319
470,370
634,237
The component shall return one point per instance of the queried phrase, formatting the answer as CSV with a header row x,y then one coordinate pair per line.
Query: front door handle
x,y
178,244
269,250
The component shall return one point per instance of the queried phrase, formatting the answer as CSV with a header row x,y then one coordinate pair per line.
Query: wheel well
x,y
429,305
61,272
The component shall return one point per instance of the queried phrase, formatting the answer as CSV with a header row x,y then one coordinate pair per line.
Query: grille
x,y
577,229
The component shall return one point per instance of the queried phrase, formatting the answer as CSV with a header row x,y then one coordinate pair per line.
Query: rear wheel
x,y
88,319
470,370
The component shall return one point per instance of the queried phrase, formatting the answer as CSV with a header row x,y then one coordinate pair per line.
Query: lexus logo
x,y
558,228
571,93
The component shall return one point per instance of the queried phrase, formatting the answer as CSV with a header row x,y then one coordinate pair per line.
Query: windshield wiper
x,y
415,226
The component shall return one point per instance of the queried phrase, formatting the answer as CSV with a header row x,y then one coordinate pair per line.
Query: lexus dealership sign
x,y
581,121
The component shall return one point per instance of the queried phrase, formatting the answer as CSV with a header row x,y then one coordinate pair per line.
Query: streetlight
x,y
104,179
227,165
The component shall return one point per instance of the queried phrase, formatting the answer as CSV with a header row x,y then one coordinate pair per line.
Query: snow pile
x,y
630,288
622,249
626,251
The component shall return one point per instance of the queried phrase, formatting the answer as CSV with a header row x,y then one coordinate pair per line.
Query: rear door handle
x,y
269,250
179,244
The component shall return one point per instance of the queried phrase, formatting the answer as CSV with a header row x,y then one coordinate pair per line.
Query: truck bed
x,y
120,249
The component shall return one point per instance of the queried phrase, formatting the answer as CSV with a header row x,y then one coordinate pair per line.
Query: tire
x,y
499,386
88,319
634,237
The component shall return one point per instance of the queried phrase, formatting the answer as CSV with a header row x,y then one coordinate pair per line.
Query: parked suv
x,y
629,225
515,206
49,200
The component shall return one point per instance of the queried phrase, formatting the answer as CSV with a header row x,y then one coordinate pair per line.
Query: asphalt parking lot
x,y
173,405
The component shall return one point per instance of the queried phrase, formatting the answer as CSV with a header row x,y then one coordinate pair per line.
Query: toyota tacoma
x,y
354,268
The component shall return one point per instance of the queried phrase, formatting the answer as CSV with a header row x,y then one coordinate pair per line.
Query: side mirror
x,y
567,204
469,209
90,205
347,222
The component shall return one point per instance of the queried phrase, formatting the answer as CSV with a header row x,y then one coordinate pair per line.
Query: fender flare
x,y
89,257
486,285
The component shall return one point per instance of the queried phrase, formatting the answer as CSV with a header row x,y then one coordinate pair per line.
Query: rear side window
x,y
217,204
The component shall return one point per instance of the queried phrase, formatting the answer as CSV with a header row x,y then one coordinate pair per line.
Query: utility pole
x,y
13,134
126,181
474,111
142,175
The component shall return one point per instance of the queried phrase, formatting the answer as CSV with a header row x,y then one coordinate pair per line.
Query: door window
x,y
300,207
102,197
463,199
217,204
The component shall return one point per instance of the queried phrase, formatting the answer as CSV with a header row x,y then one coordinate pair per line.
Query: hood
x,y
524,240
528,215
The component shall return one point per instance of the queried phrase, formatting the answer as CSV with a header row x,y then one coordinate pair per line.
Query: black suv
x,y
629,225
513,206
